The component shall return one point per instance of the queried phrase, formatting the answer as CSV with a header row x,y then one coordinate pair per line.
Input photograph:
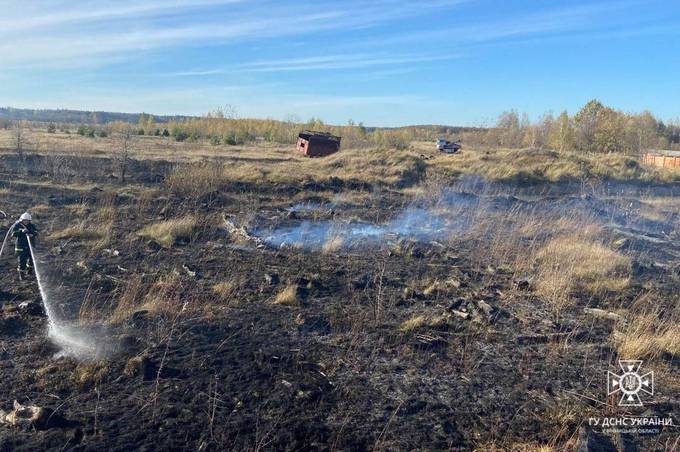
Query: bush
x,y
179,134
86,131
51,128
102,134
215,140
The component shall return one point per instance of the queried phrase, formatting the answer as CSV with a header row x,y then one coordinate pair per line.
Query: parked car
x,y
448,147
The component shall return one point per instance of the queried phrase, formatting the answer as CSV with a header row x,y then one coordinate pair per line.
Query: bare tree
x,y
19,139
123,157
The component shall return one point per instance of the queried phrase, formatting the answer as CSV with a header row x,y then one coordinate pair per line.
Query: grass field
x,y
375,299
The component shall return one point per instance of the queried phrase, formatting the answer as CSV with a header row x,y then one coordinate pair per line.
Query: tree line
x,y
594,128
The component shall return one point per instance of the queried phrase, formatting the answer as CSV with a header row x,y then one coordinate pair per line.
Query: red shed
x,y
317,144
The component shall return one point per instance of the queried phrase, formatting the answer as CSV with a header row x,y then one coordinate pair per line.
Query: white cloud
x,y
345,61
43,14
86,31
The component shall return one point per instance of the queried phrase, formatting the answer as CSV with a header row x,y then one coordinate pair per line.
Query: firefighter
x,y
23,231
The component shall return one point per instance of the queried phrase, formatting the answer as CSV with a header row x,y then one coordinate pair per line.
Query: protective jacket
x,y
20,231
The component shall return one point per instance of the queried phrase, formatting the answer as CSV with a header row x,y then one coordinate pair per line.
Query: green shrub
x,y
179,134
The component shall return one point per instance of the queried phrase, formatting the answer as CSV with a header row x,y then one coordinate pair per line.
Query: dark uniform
x,y
21,232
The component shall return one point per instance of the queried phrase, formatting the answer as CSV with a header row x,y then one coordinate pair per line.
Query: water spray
x,y
43,294
73,341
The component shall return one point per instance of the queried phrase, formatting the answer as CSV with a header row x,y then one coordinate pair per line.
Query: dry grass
x,y
382,167
129,300
424,321
414,323
530,165
279,163
647,336
97,235
288,296
39,209
568,256
333,245
516,447
79,209
162,297
225,290
167,232
575,263
196,179
89,374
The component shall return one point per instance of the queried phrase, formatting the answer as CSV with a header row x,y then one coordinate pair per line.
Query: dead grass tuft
x,y
166,233
420,321
333,245
648,337
288,296
129,300
196,179
516,447
572,264
89,374
413,324
164,295
97,235
225,290
79,209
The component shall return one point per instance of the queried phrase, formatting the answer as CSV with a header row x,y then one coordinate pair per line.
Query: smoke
x,y
422,221
451,212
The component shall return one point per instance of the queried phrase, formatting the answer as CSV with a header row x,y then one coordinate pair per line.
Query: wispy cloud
x,y
20,16
346,61
194,73
573,20
321,102
90,31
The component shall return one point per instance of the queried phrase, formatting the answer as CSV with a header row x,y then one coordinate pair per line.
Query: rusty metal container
x,y
317,144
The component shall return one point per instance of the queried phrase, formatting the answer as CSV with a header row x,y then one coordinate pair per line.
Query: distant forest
x,y
594,128
77,116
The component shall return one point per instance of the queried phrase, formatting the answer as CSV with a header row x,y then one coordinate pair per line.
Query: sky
x,y
380,62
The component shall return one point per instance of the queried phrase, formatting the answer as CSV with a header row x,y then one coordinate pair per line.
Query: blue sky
x,y
382,62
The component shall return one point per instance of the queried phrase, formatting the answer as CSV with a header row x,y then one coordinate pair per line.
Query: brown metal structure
x,y
317,144
662,159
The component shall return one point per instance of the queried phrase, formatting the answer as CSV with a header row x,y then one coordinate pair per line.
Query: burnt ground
x,y
335,372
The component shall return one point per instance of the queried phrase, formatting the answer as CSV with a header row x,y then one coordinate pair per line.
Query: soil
x,y
335,371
